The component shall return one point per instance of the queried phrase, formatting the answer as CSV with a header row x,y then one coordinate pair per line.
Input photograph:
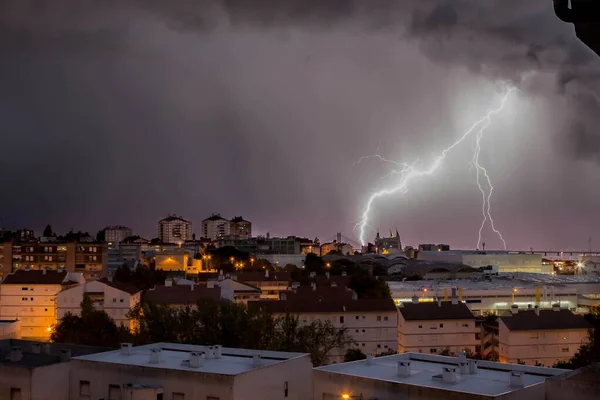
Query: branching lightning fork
x,y
408,173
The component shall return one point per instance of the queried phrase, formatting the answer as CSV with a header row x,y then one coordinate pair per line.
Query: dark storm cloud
x,y
119,111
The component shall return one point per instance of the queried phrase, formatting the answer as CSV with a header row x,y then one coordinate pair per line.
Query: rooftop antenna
x,y
590,244
483,245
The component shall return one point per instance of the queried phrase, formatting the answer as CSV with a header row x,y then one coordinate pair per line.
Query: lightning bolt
x,y
408,173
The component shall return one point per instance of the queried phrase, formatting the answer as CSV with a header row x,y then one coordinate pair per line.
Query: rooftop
x,y
430,311
124,287
323,299
39,277
215,217
181,294
490,379
173,217
546,320
36,354
175,357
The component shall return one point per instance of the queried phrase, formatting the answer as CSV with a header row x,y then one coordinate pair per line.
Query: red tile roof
x,y
39,277
323,300
181,294
258,276
120,286
547,320
431,311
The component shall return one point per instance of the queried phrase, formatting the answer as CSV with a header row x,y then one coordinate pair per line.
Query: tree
x,y
48,231
388,352
369,287
320,337
101,235
142,277
447,352
314,263
354,355
588,352
92,327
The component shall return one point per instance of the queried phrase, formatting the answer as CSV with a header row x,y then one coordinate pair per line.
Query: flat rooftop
x,y
491,378
582,284
175,356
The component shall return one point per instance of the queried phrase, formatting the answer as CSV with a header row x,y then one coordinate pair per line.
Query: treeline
x,y
589,352
210,322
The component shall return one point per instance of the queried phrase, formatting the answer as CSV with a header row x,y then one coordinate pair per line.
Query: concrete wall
x,y
194,385
269,383
10,330
15,377
543,347
34,307
371,331
50,382
422,336
331,386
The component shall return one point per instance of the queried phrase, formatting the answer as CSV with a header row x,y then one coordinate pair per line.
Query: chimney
x,y
472,367
155,356
415,300
369,359
110,278
313,285
514,309
312,274
209,353
126,349
267,273
555,307
449,374
517,379
464,367
404,368
16,354
194,360
334,284
218,351
44,271
65,355
344,273
354,295
168,282
47,348
439,302
536,310
462,356
282,296
327,275
256,361
192,287
529,307
453,292
36,348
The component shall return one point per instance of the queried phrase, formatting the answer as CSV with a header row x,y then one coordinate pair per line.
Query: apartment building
x,y
239,292
239,227
88,258
432,327
270,283
30,296
174,229
114,298
341,247
541,337
216,227
262,245
116,234
189,372
372,323
419,376
32,370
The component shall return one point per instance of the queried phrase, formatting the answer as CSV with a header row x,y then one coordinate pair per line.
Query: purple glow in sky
x,y
119,112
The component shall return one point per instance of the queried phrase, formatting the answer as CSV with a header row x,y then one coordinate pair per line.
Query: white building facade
x,y
113,298
174,229
434,327
190,372
215,227
504,260
541,337
30,296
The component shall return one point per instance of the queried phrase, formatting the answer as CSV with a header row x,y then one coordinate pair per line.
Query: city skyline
x,y
133,121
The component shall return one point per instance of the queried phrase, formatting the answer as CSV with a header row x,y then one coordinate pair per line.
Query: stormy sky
x,y
119,112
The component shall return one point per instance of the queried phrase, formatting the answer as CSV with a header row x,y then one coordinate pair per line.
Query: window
x,y
114,392
84,388
433,350
385,318
441,325
357,317
465,325
15,394
420,326
121,300
285,388
342,319
363,345
564,349
378,346
24,288
178,396
378,318
114,300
